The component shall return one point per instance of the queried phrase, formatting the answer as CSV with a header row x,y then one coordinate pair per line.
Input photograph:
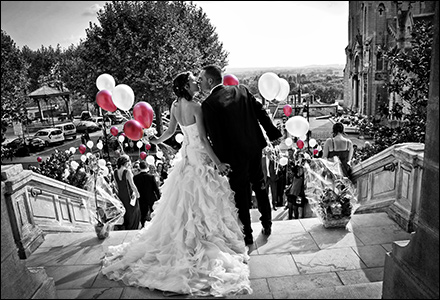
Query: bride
x,y
194,243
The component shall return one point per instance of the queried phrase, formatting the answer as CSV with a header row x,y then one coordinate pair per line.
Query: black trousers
x,y
247,175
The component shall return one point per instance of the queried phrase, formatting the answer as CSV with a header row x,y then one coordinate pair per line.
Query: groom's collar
x,y
212,90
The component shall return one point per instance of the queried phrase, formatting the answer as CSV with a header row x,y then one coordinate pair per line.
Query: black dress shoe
x,y
267,231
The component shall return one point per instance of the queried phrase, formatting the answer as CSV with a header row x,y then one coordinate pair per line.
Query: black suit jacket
x,y
147,187
232,118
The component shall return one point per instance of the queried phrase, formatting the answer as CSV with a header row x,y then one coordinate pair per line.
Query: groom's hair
x,y
214,72
179,83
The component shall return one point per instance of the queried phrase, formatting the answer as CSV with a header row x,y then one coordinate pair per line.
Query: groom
x,y
232,118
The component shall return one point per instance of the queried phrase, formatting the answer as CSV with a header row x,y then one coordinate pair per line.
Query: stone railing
x,y
390,181
37,204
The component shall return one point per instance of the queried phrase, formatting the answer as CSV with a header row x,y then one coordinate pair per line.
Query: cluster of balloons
x,y
111,97
272,87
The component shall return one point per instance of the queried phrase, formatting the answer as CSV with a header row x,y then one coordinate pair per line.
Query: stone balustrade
x,y
38,204
390,181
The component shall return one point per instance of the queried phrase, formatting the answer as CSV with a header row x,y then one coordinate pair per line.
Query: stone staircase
x,y
300,260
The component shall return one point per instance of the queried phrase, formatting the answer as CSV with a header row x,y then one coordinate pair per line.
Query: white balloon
x,y
150,160
72,150
88,155
101,163
269,85
288,142
297,126
123,97
312,143
74,164
284,90
303,137
100,146
139,144
121,138
105,82
90,144
179,138
159,154
283,161
105,171
83,158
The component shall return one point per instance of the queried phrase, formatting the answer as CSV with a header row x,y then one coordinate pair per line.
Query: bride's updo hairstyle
x,y
179,83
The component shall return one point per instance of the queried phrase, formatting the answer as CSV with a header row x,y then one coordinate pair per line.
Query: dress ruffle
x,y
194,243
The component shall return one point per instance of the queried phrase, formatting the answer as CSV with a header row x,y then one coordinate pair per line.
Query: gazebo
x,y
45,92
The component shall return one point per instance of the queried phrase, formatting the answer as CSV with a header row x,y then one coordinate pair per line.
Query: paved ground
x,y
301,259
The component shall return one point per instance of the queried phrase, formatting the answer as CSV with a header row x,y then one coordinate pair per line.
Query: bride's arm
x,y
223,168
170,130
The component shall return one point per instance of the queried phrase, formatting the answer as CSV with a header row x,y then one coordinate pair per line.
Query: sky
x,y
256,34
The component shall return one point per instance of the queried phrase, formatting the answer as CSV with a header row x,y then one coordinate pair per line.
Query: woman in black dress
x,y
128,193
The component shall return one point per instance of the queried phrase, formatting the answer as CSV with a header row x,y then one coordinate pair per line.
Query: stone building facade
x,y
374,27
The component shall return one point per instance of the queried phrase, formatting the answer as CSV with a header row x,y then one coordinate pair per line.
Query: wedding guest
x,y
341,147
148,190
127,193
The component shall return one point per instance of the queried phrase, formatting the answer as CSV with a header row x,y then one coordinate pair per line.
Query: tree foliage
x,y
144,44
13,81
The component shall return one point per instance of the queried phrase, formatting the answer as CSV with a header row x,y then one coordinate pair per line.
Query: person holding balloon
x,y
232,119
193,243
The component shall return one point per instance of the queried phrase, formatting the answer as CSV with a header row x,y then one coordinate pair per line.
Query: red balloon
x,y
114,131
315,151
147,146
133,130
143,113
104,100
82,148
143,155
300,144
39,159
230,79
287,110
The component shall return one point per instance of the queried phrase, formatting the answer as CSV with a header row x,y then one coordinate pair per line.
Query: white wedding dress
x,y
194,243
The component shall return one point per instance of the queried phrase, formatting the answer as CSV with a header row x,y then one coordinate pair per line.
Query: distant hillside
x,y
284,69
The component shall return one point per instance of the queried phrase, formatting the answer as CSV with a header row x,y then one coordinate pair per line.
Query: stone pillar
x,y
412,271
18,281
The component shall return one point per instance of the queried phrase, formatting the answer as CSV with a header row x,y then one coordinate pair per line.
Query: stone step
x,y
372,290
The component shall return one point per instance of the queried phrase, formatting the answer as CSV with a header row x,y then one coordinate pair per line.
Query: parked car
x,y
116,117
98,120
19,144
89,125
50,135
86,115
69,130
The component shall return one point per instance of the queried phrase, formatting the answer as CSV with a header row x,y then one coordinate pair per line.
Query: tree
x,y
145,44
13,83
